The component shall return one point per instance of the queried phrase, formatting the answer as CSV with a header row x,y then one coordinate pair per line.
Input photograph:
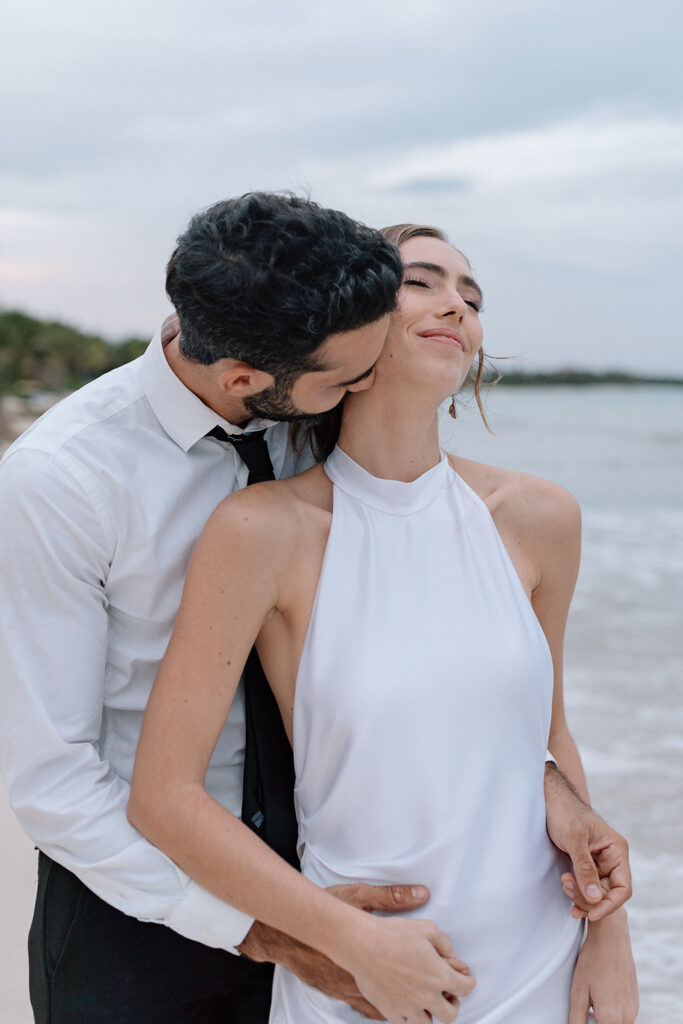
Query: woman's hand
x,y
263,943
605,975
570,887
407,969
314,968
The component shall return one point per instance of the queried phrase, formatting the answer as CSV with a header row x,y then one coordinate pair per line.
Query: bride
x,y
409,609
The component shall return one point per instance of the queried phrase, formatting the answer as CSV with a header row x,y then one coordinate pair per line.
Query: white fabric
x,y
101,503
421,719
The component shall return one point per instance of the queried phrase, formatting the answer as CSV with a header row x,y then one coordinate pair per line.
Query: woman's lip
x,y
444,335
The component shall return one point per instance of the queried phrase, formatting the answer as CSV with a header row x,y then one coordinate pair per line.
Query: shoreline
x,y
18,413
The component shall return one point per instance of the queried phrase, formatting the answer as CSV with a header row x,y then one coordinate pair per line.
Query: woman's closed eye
x,y
418,282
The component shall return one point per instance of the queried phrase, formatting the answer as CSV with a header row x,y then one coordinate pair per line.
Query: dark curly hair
x,y
267,277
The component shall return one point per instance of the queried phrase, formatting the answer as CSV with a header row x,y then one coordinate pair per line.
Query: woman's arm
x,y
232,588
554,536
557,547
605,976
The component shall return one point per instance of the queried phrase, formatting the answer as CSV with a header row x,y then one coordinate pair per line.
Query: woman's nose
x,y
455,306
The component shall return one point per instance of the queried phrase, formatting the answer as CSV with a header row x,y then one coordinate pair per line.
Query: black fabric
x,y
252,449
91,964
268,791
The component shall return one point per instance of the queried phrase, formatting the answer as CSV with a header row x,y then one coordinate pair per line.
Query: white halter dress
x,y
421,720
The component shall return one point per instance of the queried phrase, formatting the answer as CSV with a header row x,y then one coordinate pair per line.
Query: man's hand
x,y
605,975
263,943
602,877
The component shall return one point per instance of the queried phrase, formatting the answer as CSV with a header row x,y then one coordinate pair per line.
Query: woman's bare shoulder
x,y
271,514
522,499
311,488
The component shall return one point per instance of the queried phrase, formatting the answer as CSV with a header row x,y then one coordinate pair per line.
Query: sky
x,y
546,138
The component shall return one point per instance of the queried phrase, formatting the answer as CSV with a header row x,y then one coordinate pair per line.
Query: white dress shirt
x,y
101,503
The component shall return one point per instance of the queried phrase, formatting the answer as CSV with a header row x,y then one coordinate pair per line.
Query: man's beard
x,y
275,403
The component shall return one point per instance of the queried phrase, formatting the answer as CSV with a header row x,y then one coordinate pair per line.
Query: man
x,y
283,307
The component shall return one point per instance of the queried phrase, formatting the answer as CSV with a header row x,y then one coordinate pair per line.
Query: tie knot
x,y
250,437
252,448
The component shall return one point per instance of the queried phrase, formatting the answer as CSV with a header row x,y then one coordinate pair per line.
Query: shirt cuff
x,y
203,917
549,759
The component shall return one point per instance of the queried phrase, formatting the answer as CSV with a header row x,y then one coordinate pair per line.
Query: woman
x,y
409,611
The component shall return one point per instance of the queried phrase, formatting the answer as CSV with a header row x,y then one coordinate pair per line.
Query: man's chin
x,y
306,419
303,419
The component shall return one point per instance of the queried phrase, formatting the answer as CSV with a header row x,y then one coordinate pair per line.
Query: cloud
x,y
545,138
595,145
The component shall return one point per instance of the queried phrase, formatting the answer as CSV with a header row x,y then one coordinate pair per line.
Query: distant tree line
x,y
41,355
576,376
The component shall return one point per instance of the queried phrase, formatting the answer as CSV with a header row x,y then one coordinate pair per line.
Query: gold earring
x,y
451,408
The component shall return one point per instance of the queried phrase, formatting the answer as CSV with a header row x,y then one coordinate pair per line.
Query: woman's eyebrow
x,y
434,267
440,271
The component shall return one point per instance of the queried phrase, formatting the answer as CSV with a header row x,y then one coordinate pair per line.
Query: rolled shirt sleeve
x,y
56,545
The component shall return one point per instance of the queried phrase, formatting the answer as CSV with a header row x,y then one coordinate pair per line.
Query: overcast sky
x,y
545,137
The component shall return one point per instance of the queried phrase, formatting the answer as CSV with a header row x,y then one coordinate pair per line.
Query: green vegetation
x,y
37,355
520,378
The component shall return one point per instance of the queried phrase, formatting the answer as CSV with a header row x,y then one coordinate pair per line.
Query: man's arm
x,y
601,882
56,543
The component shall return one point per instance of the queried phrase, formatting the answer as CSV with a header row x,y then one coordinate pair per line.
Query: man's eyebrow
x,y
440,271
358,379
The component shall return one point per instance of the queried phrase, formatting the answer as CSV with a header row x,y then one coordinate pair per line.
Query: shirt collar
x,y
184,417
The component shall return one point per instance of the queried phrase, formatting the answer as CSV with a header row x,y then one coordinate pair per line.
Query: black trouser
x,y
91,964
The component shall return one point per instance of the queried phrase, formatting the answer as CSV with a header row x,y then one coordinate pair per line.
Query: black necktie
x,y
268,790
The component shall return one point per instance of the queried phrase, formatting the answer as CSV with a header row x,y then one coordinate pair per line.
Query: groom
x,y
282,306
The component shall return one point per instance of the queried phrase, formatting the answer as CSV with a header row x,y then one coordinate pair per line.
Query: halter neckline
x,y
395,497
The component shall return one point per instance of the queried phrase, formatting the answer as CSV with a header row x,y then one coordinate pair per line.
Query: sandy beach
x,y
18,859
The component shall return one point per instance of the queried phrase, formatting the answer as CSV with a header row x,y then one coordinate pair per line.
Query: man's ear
x,y
240,380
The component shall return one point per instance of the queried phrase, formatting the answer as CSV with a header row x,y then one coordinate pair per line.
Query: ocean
x,y
619,450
